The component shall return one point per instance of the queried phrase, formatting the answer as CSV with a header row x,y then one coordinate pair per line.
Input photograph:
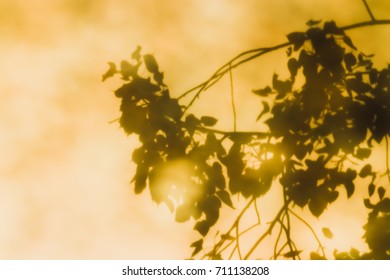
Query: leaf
x,y
354,253
227,237
289,51
371,189
311,22
140,178
136,54
365,171
202,227
265,110
368,204
208,121
151,63
362,153
110,72
349,187
383,205
159,77
183,213
263,92
297,39
330,27
317,205
225,197
198,246
381,192
315,256
350,60
293,66
128,69
327,232
348,42
282,87
292,254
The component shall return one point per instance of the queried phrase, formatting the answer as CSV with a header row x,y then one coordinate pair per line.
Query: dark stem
x,y
267,232
233,104
369,10
256,134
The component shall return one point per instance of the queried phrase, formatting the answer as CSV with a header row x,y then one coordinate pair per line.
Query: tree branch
x,y
267,232
312,230
234,133
254,53
233,104
368,10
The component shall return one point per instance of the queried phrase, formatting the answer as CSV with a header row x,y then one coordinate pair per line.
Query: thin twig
x,y
311,229
233,103
257,212
277,242
222,241
267,232
387,158
288,228
238,241
288,239
254,53
369,10
234,133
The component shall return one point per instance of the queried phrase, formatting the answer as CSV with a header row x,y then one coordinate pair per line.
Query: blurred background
x,y
65,169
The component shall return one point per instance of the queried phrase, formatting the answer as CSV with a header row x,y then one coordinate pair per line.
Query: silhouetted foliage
x,y
317,129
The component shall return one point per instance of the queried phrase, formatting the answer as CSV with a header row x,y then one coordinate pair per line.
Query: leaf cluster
x,y
330,112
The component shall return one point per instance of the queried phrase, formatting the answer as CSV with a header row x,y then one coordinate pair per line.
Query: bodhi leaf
x,y
381,192
297,39
262,92
293,66
151,63
327,232
198,246
208,121
202,227
292,254
315,256
371,189
110,72
311,22
365,171
225,197
136,54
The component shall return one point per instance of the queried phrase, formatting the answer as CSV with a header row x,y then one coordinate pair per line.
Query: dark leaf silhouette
x,y
137,53
151,63
381,192
313,22
110,72
198,246
297,39
327,232
365,171
312,137
202,227
348,41
371,189
263,92
208,121
315,256
292,254
293,66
